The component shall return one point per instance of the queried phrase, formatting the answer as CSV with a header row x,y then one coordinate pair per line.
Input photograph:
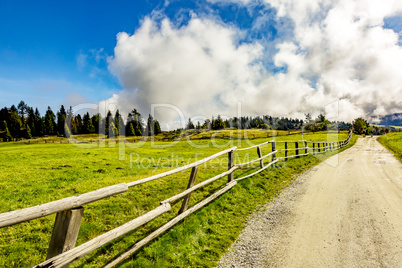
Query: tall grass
x,y
393,141
38,173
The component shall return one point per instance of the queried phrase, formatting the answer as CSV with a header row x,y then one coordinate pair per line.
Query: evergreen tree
x,y
130,130
22,110
78,124
38,124
108,120
190,124
157,129
112,130
136,119
4,114
27,133
31,120
150,126
74,127
119,123
14,124
61,119
13,109
69,124
50,123
96,122
67,131
88,127
7,135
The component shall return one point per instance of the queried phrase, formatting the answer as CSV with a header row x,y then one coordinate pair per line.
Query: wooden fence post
x,y
273,149
297,149
259,156
65,231
230,165
305,146
186,199
286,151
313,148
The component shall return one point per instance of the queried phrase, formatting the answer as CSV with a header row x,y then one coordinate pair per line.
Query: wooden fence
x,y
62,250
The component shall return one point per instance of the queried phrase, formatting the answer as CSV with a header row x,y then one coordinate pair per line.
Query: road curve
x,y
344,212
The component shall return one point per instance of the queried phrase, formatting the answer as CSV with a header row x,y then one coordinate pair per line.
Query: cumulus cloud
x,y
198,67
344,46
337,50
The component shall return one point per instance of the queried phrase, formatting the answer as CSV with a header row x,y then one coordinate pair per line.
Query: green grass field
x,y
393,141
34,174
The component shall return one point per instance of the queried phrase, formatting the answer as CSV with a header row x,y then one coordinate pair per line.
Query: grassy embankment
x,y
39,173
393,141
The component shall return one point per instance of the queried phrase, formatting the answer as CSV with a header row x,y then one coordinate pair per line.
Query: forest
x,y
23,121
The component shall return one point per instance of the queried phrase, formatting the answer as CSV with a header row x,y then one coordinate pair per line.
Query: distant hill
x,y
388,120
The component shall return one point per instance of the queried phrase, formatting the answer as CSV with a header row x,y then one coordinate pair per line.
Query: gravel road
x,y
344,212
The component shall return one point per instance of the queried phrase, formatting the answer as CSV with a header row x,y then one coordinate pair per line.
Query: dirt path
x,y
345,212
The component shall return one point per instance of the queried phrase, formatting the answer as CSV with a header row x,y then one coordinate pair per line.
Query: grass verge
x,y
393,141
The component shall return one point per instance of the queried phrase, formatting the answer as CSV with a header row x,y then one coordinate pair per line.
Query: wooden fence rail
x,y
62,250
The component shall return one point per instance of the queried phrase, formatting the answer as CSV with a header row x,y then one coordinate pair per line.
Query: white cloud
x,y
197,67
339,50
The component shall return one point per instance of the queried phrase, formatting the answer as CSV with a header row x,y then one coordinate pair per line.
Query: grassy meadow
x,y
34,174
393,141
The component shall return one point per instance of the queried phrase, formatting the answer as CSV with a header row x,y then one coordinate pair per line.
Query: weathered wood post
x,y
305,146
313,148
186,199
230,165
286,151
326,146
297,149
65,231
273,149
259,156
318,149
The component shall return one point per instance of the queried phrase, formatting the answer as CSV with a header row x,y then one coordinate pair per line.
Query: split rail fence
x,y
62,250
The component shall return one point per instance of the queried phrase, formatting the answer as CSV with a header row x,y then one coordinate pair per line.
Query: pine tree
x,y
130,130
150,126
7,135
119,123
22,110
67,131
190,124
88,127
135,118
38,124
27,132
14,124
61,119
108,120
50,123
112,130
96,122
157,128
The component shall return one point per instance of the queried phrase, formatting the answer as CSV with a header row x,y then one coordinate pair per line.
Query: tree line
x,y
269,122
25,122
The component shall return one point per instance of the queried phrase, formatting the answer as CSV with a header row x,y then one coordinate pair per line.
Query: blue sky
x,y
41,43
56,52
